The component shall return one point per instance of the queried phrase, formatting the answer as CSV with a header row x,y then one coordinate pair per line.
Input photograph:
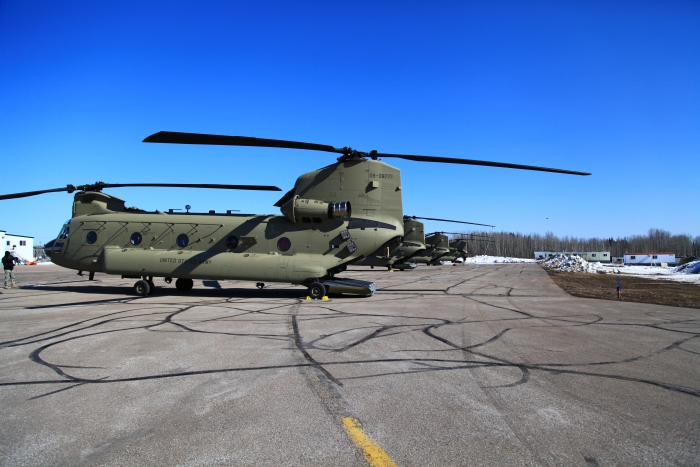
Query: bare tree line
x,y
519,245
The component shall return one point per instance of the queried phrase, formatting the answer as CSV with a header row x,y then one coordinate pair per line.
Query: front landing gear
x,y
142,288
184,284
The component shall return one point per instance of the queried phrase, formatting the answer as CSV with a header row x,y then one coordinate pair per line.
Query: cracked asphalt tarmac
x,y
464,365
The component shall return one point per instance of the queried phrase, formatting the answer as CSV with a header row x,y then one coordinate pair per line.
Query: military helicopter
x,y
393,255
333,217
437,246
458,249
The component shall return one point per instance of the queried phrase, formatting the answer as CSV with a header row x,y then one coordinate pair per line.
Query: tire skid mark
x,y
300,346
319,380
460,364
35,355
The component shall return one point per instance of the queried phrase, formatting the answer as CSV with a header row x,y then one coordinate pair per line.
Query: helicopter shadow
x,y
207,292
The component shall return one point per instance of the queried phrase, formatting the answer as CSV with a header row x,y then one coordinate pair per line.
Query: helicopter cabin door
x,y
90,238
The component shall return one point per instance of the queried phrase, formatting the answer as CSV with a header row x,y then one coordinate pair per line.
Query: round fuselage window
x,y
91,237
182,240
284,244
136,238
232,242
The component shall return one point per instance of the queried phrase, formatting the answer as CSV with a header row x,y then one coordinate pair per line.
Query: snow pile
x,y
483,259
573,263
688,268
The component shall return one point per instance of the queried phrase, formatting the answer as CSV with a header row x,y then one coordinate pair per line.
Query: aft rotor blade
x,y
100,185
462,233
221,140
448,220
194,185
34,193
452,160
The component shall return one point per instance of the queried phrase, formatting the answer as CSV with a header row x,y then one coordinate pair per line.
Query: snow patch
x,y
574,263
484,259
689,272
688,268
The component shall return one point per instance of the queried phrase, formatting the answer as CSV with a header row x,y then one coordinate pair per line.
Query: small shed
x,y
21,246
653,258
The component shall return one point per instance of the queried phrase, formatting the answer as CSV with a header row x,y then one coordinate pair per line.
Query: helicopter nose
x,y
48,247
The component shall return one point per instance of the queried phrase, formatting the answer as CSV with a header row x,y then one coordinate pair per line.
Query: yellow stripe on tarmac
x,y
375,455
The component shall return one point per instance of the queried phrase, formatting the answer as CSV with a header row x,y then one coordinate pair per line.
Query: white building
x,y
651,258
21,246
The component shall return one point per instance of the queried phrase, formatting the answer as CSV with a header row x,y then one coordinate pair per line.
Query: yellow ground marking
x,y
375,455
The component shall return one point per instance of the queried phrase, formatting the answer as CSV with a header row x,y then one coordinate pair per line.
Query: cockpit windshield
x,y
64,232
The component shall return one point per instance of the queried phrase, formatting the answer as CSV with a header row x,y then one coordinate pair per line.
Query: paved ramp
x,y
448,365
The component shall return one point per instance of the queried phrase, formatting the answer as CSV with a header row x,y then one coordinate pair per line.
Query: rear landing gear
x,y
184,284
317,291
260,285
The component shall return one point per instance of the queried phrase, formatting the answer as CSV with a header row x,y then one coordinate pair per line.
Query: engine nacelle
x,y
312,210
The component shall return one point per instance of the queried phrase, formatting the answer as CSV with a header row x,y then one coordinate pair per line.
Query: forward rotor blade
x,y
193,185
448,220
220,140
33,193
452,160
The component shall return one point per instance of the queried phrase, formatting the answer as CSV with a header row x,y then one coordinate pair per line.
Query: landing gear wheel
x,y
142,288
260,285
317,291
168,280
184,284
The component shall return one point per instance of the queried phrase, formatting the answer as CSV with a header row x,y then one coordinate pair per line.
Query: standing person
x,y
8,262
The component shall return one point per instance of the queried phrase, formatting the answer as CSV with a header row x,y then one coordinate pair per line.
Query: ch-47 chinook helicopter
x,y
437,245
457,249
394,255
333,217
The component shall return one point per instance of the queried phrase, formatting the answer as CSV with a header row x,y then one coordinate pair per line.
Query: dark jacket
x,y
8,262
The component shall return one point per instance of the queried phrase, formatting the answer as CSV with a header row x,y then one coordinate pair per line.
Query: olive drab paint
x,y
396,251
308,242
458,249
438,245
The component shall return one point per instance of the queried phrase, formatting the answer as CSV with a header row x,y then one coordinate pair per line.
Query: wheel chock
x,y
325,297
308,298
391,270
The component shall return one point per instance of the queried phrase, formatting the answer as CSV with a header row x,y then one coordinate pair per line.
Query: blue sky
x,y
611,88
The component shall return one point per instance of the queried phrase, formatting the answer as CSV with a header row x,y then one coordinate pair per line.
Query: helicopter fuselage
x,y
315,238
203,246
